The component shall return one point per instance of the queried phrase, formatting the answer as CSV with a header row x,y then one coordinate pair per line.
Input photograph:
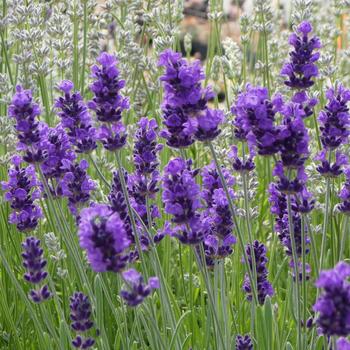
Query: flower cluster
x,y
143,184
264,287
244,342
107,103
301,68
34,264
75,118
333,305
29,130
137,290
102,235
334,126
80,313
22,189
76,185
255,118
185,112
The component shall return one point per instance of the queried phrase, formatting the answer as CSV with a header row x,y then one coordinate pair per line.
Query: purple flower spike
x,y
75,118
80,315
180,191
244,342
29,130
137,291
22,190
344,194
35,264
264,287
301,69
108,103
102,234
76,185
185,112
333,305
254,120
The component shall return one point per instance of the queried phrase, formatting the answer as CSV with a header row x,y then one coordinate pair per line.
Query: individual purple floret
x,y
343,344
75,118
334,126
22,189
244,342
255,120
241,165
333,306
301,69
185,113
108,103
136,290
344,194
76,185
35,264
102,234
80,314
181,194
29,129
264,287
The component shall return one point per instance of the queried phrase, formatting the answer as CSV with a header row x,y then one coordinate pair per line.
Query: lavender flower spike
x,y
333,305
22,190
137,291
34,264
302,68
264,287
80,315
101,233
244,342
75,118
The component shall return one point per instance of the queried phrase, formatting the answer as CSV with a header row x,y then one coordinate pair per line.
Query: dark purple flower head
x,y
113,137
301,69
208,125
264,287
102,234
34,265
80,314
181,194
334,119
29,129
241,165
22,189
137,290
333,305
254,119
289,185
59,149
329,169
293,137
107,102
75,118
76,185
344,194
244,342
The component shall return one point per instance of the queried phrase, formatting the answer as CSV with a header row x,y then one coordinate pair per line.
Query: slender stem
x,y
304,291
325,222
343,238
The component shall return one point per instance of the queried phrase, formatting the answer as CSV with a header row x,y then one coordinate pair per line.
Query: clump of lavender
x,y
80,314
181,197
143,184
334,126
301,69
244,342
137,290
34,264
102,234
255,120
75,118
264,287
59,150
185,112
29,130
22,190
108,103
333,305
219,239
76,185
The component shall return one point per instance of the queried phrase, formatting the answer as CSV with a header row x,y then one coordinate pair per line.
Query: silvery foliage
x,y
57,254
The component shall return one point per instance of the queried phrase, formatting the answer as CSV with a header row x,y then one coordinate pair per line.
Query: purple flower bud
x,y
243,342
